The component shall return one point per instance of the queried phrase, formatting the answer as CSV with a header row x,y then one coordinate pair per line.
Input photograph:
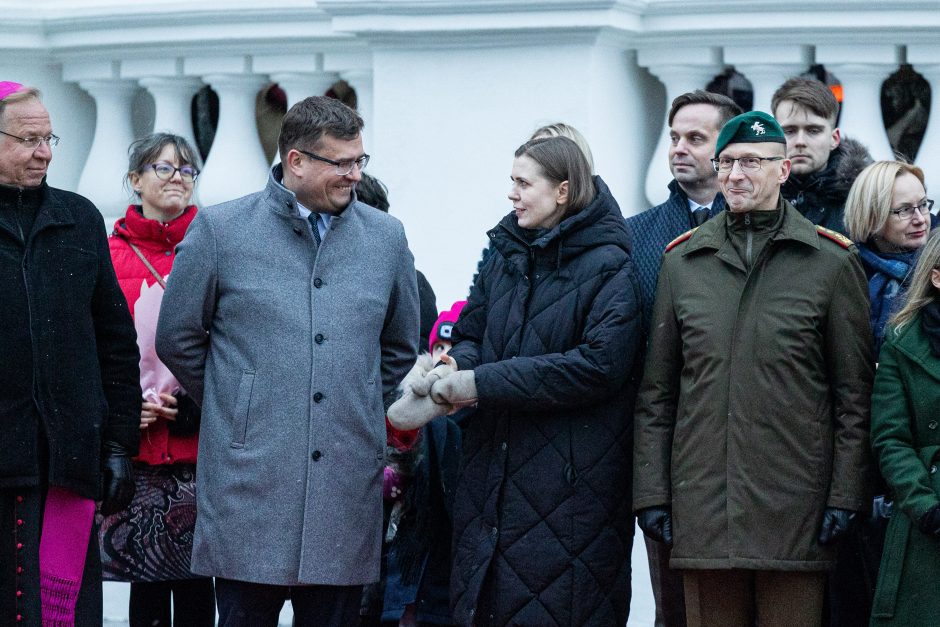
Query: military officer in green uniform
x,y
751,427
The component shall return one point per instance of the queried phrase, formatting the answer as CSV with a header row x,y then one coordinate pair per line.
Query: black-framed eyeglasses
x,y
906,212
33,142
166,171
341,168
748,164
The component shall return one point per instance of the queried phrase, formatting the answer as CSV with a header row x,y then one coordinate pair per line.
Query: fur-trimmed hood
x,y
821,195
831,184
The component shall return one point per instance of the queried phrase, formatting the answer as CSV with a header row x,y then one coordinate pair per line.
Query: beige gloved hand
x,y
422,386
413,410
458,390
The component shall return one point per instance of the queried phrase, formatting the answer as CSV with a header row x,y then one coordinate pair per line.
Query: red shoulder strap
x,y
679,240
834,236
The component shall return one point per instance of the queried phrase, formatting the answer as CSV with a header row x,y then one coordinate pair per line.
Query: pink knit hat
x,y
445,324
9,87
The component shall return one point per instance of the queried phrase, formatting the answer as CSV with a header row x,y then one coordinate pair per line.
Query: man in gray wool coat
x,y
291,316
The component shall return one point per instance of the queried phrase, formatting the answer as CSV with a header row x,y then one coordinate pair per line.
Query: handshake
x,y
431,392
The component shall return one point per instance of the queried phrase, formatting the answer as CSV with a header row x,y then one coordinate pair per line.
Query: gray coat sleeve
x,y
189,306
402,321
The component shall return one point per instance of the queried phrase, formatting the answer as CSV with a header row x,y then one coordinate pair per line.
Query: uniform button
x,y
317,283
932,424
316,455
317,397
318,338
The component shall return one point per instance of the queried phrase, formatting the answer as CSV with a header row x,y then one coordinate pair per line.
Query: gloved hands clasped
x,y
118,476
431,392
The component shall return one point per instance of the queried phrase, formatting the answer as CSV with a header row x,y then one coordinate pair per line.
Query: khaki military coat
x,y
753,414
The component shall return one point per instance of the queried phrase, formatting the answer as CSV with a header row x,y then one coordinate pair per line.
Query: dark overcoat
x,y
69,366
905,431
543,529
753,415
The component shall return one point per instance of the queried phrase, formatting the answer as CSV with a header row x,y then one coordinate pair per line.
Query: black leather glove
x,y
835,523
656,523
117,473
929,523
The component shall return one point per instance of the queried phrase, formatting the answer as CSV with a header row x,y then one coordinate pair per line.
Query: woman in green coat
x,y
906,439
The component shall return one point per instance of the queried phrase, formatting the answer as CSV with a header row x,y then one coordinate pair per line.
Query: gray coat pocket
x,y
242,406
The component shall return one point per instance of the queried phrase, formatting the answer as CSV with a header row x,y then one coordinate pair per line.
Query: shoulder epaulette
x,y
835,236
680,239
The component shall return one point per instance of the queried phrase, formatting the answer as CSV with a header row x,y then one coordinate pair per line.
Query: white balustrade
x,y
861,70
926,60
102,179
687,69
173,99
767,67
236,164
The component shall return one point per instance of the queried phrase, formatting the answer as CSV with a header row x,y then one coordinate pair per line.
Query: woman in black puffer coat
x,y
542,523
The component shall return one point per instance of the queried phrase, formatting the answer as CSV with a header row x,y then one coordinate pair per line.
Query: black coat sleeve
x,y
118,355
596,367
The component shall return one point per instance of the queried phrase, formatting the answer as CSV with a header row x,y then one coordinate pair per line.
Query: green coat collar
x,y
913,344
713,234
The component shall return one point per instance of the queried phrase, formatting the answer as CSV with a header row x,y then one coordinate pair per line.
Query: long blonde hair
x,y
921,291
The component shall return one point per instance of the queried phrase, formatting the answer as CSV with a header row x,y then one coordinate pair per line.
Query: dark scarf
x,y
887,282
930,323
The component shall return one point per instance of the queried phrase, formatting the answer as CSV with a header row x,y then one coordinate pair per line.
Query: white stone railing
x,y
448,88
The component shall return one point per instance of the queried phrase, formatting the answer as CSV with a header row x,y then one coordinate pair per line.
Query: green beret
x,y
751,127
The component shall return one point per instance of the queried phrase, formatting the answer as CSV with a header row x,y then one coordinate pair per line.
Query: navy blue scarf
x,y
887,283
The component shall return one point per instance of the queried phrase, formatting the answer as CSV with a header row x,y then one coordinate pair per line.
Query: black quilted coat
x,y
542,523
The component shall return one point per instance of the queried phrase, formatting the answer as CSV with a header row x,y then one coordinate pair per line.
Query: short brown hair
x,y
19,96
727,108
561,159
810,94
311,118
868,205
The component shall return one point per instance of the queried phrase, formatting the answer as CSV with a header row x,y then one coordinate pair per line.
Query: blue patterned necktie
x,y
316,230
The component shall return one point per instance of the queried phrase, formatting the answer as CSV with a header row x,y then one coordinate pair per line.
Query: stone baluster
x,y
765,76
361,81
300,85
173,99
687,69
236,164
102,179
861,70
926,60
